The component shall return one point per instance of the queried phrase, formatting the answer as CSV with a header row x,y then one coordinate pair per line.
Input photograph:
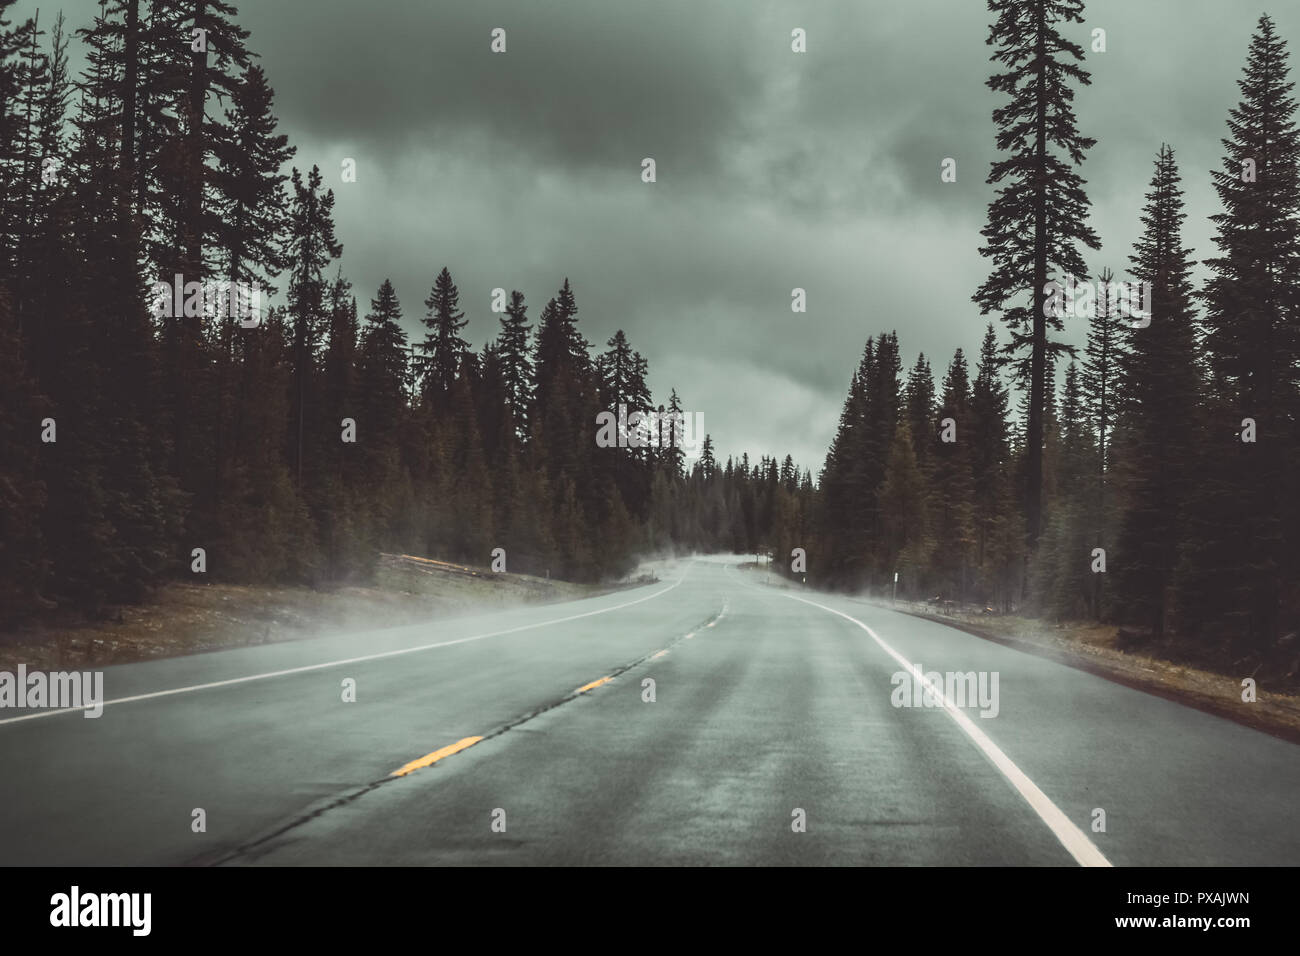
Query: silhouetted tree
x,y
1040,212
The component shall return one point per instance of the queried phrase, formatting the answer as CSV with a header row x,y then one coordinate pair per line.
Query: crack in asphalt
x,y
249,849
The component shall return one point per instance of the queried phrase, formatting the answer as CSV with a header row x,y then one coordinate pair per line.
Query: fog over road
x,y
766,701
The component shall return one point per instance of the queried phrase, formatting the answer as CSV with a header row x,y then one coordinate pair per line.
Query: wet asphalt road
x,y
772,738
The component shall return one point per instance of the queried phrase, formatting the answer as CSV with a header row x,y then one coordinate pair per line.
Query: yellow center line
x,y
430,759
596,683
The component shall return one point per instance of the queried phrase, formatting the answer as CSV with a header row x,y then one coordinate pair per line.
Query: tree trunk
x,y
1038,360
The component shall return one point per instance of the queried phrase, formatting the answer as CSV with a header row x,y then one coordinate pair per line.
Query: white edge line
x,y
339,663
1072,838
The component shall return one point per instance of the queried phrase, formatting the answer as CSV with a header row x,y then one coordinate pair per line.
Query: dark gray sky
x,y
775,169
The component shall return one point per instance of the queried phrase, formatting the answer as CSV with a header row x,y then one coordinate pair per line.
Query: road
x,y
772,738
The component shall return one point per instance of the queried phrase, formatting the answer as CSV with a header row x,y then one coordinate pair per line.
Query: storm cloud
x,y
775,170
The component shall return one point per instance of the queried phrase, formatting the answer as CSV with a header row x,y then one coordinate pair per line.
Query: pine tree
x,y
1100,370
126,471
248,238
998,543
154,158
443,350
622,376
883,389
254,209
952,504
903,509
559,343
1099,382
1063,583
311,248
217,60
920,411
843,518
14,41
565,400
266,533
789,473
672,457
47,216
1241,548
23,497
1249,338
708,463
21,160
1041,212
1160,385
336,491
516,361
384,380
